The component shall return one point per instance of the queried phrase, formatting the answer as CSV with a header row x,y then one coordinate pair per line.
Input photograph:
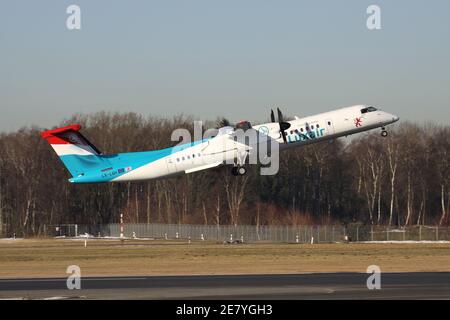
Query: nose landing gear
x,y
384,133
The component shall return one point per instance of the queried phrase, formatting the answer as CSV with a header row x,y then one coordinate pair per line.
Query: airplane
x,y
87,164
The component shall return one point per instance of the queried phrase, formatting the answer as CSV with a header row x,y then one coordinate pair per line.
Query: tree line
x,y
399,180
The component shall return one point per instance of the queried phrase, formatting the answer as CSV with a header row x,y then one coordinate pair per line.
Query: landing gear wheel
x,y
384,133
241,171
238,171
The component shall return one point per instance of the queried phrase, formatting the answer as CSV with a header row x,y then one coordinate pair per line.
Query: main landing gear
x,y
239,165
384,133
238,171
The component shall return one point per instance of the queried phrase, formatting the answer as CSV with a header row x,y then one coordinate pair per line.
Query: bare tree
x,y
443,155
1,198
372,170
148,202
392,153
205,217
235,191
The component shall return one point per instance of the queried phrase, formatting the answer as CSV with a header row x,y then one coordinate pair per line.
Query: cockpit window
x,y
368,109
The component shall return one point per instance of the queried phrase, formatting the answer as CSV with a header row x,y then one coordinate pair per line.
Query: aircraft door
x,y
171,164
329,125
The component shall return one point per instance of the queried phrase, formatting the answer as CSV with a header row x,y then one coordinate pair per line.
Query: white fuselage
x,y
221,149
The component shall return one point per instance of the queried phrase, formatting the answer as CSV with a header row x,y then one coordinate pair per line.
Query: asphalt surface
x,y
298,286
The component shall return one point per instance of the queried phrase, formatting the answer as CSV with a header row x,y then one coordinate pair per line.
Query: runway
x,y
287,286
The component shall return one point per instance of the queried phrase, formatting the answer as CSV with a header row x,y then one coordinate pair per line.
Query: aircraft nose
x,y
395,118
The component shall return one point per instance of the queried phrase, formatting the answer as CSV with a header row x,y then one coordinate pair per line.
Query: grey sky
x,y
233,58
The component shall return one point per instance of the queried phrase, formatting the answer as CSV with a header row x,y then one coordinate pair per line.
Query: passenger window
x,y
301,129
193,156
198,154
329,123
317,126
178,159
183,158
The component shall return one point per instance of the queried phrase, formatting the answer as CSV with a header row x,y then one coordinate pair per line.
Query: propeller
x,y
283,125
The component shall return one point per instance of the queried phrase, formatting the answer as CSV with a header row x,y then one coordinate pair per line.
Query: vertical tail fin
x,y
75,151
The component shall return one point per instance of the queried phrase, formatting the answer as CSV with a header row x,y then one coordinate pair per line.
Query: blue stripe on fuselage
x,y
104,168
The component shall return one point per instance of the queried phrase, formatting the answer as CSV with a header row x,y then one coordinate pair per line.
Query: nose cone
x,y
395,118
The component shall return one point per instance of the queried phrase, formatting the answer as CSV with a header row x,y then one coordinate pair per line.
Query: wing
x,y
206,166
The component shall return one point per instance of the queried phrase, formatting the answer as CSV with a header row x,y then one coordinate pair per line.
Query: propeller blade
x,y
280,115
283,125
272,115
